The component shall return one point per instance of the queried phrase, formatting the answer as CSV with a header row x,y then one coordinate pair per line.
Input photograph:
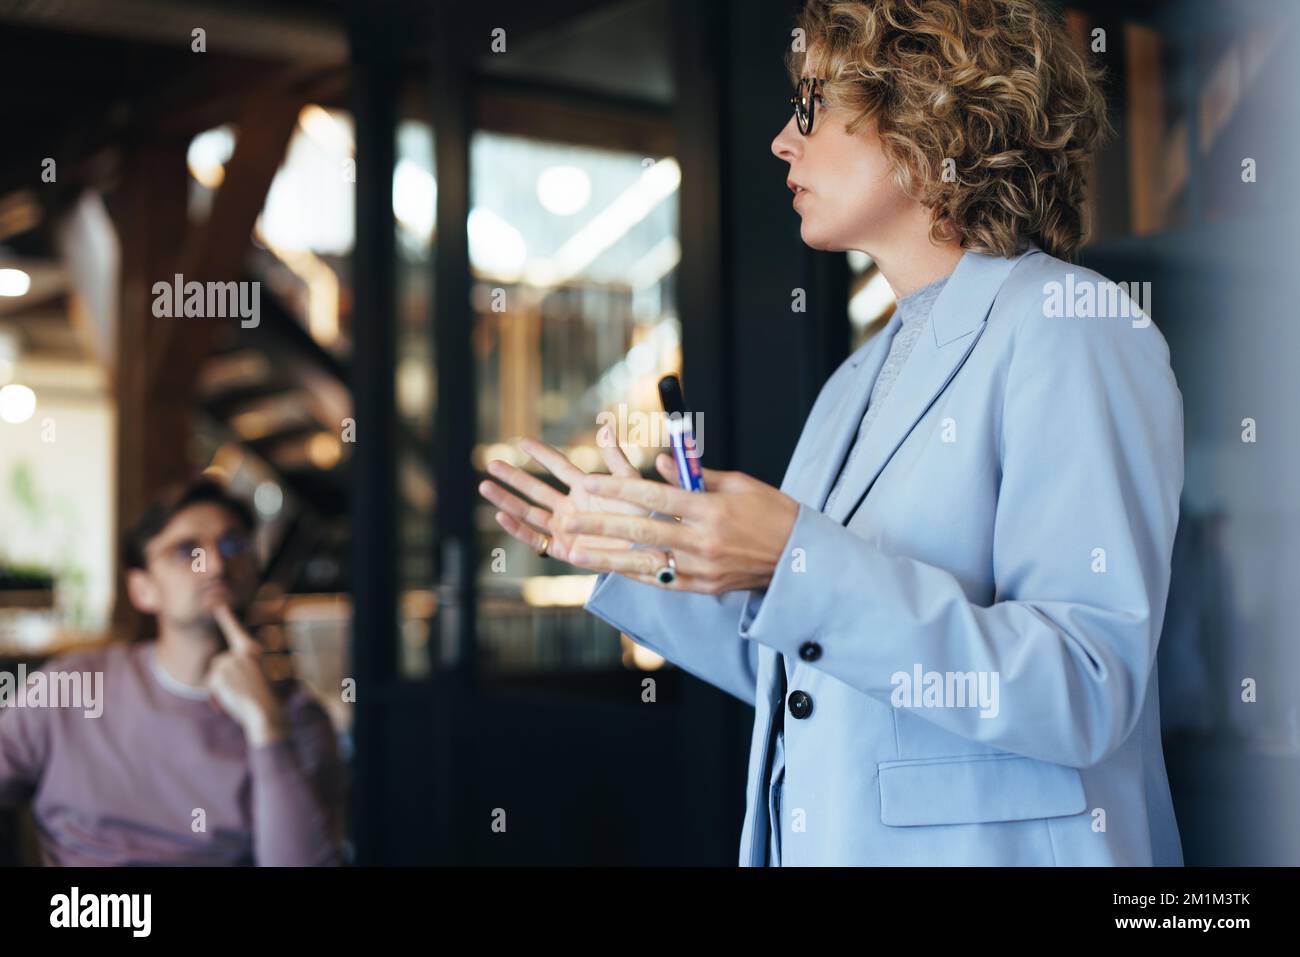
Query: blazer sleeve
x,y
698,633
1091,458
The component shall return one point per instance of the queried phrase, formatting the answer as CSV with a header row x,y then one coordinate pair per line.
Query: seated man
x,y
191,755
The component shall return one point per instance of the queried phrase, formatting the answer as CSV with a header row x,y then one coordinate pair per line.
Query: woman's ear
x,y
142,591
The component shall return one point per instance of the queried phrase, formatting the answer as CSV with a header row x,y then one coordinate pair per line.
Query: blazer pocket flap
x,y
972,790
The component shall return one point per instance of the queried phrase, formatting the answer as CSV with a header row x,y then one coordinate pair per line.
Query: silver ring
x,y
667,574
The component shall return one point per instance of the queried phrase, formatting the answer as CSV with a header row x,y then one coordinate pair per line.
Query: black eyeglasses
x,y
804,102
230,545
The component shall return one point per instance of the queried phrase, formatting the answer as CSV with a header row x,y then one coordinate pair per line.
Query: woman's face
x,y
848,198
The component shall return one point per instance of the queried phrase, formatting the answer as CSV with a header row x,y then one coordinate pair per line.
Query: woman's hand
x,y
529,522
730,537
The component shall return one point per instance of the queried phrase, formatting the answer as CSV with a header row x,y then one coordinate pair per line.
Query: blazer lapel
x,y
956,321
831,442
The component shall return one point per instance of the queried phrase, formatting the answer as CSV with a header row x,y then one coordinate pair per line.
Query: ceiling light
x,y
563,190
208,154
17,403
14,282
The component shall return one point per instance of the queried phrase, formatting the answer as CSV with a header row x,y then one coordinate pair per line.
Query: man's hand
x,y
239,684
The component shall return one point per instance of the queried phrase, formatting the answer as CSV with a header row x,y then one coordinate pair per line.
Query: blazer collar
x,y
961,309
964,302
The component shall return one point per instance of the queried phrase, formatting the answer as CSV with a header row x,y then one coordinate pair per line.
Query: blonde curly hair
x,y
993,85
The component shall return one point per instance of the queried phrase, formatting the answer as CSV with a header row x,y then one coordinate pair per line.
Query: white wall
x,y
67,450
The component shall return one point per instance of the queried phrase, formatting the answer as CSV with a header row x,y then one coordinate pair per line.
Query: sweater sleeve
x,y
24,746
298,795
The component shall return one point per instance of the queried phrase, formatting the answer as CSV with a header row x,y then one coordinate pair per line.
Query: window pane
x,y
574,253
414,193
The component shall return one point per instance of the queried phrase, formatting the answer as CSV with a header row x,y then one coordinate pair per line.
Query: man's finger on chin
x,y
236,637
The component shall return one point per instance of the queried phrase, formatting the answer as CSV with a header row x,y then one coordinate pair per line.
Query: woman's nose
x,y
787,142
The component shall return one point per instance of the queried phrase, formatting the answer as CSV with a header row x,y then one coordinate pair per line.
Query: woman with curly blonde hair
x,y
977,118
947,616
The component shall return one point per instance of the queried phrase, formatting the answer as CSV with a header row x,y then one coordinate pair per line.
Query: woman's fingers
x,y
520,530
514,505
644,562
630,528
534,538
614,456
666,467
659,496
551,459
530,485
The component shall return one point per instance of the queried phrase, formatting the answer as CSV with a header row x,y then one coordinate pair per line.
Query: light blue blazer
x,y
1021,487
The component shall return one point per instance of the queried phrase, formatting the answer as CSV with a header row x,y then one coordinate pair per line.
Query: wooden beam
x,y
215,251
1146,126
158,359
151,443
555,114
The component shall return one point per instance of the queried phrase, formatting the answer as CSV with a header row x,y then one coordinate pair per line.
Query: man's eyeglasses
x,y
804,102
230,545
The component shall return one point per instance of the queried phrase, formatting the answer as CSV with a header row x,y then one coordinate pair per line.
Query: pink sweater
x,y
163,777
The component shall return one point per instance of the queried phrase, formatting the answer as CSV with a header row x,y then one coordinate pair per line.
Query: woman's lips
x,y
798,192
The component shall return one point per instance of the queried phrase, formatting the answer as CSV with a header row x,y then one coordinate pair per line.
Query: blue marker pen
x,y
689,473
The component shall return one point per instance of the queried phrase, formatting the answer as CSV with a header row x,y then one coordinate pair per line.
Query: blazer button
x,y
801,704
810,651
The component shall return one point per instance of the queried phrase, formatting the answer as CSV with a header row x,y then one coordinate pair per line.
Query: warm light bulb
x,y
563,190
17,403
14,282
